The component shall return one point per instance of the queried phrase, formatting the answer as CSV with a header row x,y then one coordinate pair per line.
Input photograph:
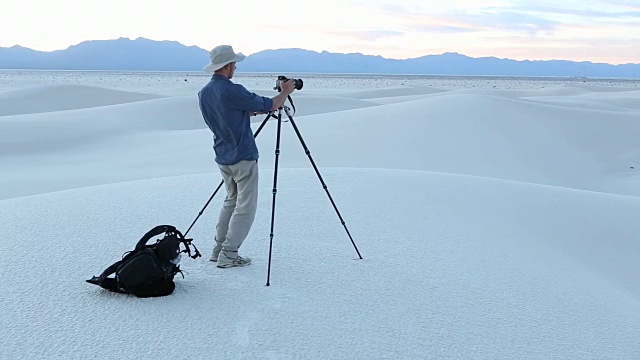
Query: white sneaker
x,y
226,262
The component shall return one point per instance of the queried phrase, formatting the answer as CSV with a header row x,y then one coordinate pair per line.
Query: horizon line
x,y
346,74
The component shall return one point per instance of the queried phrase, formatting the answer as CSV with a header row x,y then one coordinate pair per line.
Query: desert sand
x,y
496,217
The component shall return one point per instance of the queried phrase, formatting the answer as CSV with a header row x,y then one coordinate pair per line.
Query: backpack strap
x,y
110,283
168,229
158,230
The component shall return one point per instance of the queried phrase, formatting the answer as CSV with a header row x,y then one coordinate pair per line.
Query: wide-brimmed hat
x,y
221,56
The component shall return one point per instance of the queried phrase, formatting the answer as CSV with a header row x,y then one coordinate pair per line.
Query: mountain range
x,y
149,55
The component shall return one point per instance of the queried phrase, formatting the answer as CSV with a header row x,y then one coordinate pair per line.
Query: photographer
x,y
226,108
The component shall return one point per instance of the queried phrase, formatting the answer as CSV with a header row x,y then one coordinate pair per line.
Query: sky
x,y
579,30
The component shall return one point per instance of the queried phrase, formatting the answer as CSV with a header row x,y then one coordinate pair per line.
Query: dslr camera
x,y
297,83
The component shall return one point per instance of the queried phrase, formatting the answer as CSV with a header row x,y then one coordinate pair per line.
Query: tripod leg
x,y
306,150
275,190
222,182
264,122
205,206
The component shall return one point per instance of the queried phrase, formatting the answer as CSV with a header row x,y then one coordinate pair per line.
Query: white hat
x,y
221,56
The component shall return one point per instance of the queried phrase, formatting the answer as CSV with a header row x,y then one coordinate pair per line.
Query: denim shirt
x,y
225,107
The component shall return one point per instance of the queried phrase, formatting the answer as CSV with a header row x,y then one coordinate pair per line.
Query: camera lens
x,y
297,83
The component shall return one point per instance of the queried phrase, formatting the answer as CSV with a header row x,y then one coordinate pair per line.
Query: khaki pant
x,y
239,207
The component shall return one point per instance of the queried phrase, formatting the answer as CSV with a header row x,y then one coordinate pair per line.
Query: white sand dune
x,y
597,98
494,223
389,92
42,99
489,136
454,267
561,91
398,99
44,132
455,132
62,130
628,100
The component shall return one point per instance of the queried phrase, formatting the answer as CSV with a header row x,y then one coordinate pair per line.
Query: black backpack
x,y
149,269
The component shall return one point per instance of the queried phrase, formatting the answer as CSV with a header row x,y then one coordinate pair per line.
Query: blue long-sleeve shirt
x,y
225,107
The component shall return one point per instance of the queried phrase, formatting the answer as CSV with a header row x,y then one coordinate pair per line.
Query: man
x,y
226,108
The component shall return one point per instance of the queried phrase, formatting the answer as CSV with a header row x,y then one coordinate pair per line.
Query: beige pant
x,y
239,207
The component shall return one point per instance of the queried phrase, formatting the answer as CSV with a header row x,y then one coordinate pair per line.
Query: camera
x,y
297,83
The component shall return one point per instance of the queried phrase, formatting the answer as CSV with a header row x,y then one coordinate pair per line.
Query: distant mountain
x,y
149,55
120,54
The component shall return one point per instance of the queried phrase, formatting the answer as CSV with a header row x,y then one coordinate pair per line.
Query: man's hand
x,y
288,86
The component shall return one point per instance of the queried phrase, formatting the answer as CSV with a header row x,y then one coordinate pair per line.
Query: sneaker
x,y
214,257
226,262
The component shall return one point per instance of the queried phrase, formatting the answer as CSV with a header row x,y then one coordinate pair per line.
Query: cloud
x,y
456,18
484,21
531,18
509,20
395,9
368,35
616,10
443,29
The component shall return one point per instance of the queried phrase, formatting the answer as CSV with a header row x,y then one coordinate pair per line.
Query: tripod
x,y
275,181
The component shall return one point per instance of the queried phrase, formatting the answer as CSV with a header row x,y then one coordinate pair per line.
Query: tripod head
x,y
273,114
287,111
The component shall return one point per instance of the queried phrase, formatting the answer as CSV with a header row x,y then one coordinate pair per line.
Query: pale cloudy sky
x,y
592,30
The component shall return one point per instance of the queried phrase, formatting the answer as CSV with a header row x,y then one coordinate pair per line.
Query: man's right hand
x,y
288,86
